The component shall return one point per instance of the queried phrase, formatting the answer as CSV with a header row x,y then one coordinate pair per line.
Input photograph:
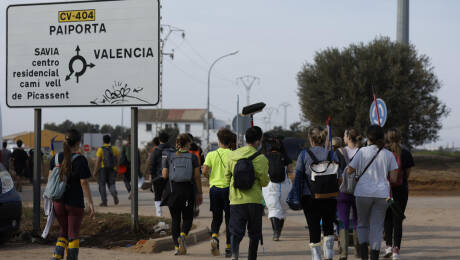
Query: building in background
x,y
29,142
192,121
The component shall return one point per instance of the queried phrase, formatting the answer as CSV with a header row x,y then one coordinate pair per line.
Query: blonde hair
x,y
354,136
336,142
393,138
318,135
182,140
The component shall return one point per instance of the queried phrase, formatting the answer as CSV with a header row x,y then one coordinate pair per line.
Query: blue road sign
x,y
383,113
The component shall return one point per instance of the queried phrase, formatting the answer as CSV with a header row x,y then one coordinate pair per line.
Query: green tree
x,y
339,84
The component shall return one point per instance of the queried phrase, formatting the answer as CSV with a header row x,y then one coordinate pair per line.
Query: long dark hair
x,y
72,138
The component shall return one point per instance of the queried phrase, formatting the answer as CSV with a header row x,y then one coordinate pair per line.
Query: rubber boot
x,y
343,238
328,247
375,254
61,246
235,248
253,248
280,227
275,227
158,210
315,251
364,251
356,244
74,247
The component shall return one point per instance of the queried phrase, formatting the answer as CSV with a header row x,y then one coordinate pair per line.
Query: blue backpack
x,y
55,187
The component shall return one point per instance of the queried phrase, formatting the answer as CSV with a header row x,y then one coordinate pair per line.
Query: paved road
x,y
431,231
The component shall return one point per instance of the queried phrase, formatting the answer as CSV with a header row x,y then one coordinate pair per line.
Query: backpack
x,y
399,181
243,173
323,183
55,187
181,167
276,168
109,157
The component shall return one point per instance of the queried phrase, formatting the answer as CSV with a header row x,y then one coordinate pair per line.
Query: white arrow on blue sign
x,y
383,113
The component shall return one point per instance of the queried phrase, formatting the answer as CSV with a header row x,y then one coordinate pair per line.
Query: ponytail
x,y
72,138
393,138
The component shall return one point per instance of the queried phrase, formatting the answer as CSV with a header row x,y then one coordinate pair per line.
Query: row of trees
x,y
339,83
117,132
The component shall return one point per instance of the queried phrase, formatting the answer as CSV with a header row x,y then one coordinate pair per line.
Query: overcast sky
x,y
274,39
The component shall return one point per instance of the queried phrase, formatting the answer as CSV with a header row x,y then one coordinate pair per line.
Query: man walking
x,y
247,174
20,162
214,168
155,168
105,170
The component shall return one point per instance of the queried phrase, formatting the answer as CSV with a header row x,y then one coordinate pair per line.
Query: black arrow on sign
x,y
78,50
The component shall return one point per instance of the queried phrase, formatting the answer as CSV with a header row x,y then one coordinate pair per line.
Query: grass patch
x,y
106,231
453,155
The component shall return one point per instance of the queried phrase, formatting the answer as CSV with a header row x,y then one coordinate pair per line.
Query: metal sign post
x,y
37,168
134,171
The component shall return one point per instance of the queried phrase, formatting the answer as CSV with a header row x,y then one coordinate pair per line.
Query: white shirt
x,y
350,152
374,182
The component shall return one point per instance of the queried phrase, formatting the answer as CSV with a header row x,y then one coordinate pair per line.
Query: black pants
x,y
393,223
181,211
158,187
316,210
127,179
243,215
220,204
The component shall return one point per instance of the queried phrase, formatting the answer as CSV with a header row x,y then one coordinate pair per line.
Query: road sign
x,y
91,53
383,113
244,122
86,148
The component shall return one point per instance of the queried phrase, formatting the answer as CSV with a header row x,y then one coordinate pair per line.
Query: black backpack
x,y
109,157
276,167
324,177
243,173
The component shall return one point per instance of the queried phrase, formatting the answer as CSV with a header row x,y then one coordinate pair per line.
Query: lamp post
x,y
209,86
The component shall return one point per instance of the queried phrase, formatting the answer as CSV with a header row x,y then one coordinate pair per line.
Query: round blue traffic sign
x,y
383,113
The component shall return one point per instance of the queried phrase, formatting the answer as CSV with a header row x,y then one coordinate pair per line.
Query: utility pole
x,y
402,30
248,81
167,30
269,111
285,105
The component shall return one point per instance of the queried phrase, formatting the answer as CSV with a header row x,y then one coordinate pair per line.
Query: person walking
x,y
246,175
317,210
183,190
105,170
125,162
6,156
346,202
276,192
198,152
214,168
373,164
69,209
20,162
156,167
400,192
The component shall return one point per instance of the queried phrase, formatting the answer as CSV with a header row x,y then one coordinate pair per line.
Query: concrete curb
x,y
166,244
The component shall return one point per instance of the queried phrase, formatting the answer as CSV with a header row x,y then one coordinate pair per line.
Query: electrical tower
x,y
285,105
270,111
248,81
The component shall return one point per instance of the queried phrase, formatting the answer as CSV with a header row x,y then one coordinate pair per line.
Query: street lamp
x,y
209,86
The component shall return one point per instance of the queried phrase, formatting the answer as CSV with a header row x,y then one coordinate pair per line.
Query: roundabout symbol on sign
x,y
78,74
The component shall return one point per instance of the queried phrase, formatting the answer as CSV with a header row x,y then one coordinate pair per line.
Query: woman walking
x,y
276,192
346,202
182,190
400,191
317,210
373,164
70,208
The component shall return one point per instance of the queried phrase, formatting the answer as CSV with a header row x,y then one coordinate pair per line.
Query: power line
x,y
285,105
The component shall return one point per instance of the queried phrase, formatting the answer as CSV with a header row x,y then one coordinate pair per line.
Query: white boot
x,y
328,247
315,251
158,208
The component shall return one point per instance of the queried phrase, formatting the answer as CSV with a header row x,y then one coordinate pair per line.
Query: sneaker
x,y
396,253
103,204
176,250
228,252
182,246
115,200
215,246
388,252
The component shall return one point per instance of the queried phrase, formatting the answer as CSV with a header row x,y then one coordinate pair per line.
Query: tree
x,y
339,84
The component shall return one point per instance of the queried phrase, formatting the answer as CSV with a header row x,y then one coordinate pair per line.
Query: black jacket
x,y
155,160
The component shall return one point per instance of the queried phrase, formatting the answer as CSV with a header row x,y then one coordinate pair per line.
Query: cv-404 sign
x,y
92,53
